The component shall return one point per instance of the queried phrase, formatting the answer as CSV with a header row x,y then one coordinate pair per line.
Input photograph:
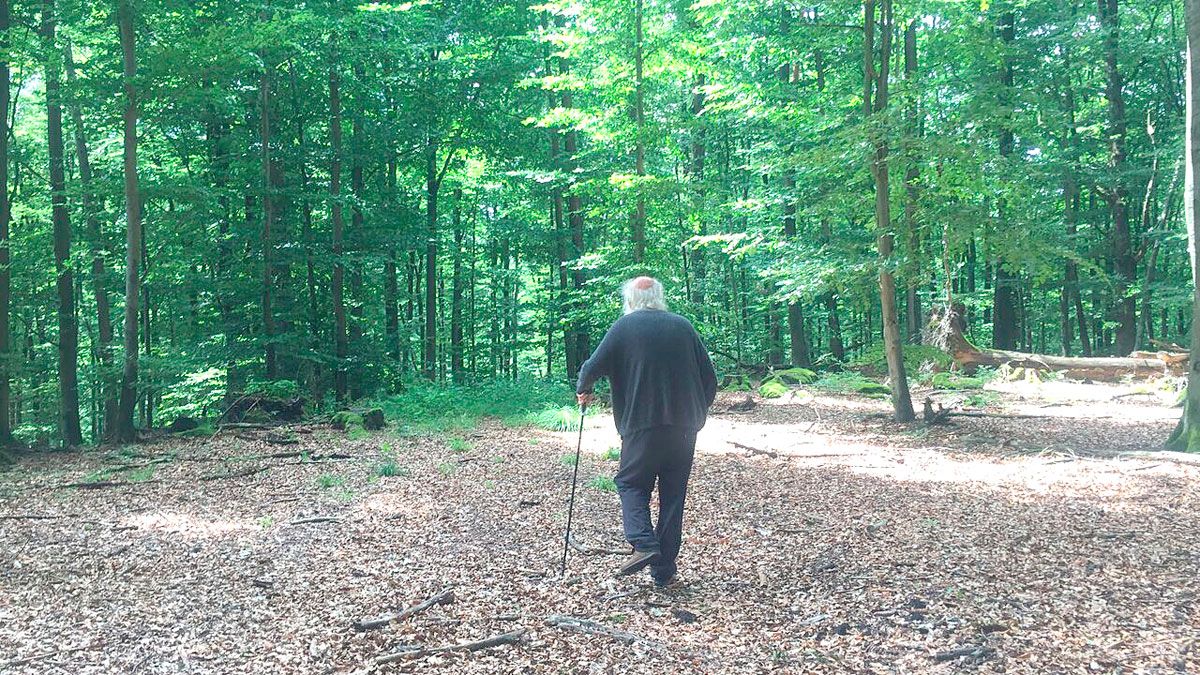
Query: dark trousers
x,y
662,454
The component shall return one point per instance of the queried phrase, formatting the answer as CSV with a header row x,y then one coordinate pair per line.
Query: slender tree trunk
x,y
456,285
912,176
1124,262
901,400
579,328
431,198
5,214
68,328
1186,436
341,340
124,431
797,333
357,227
268,207
391,300
1005,331
95,242
638,228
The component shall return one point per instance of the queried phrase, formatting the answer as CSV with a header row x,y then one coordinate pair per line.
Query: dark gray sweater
x,y
660,372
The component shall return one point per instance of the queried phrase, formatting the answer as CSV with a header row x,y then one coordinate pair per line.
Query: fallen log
x,y
592,628
948,329
445,597
417,651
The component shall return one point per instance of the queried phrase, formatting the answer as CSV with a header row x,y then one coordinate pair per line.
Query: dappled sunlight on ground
x,y
186,524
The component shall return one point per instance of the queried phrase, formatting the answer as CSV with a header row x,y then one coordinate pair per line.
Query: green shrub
x,y
981,399
795,376
329,480
738,383
273,388
772,389
613,454
953,381
603,483
459,444
850,382
874,360
567,460
560,418
391,470
424,408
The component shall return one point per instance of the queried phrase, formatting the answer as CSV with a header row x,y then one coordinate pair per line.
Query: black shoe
x,y
666,584
637,562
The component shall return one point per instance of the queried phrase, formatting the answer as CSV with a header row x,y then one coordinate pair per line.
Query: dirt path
x,y
991,545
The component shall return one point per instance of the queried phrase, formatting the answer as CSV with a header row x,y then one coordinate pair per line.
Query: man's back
x,y
660,372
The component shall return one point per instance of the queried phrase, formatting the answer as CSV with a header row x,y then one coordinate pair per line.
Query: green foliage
x,y
956,382
613,454
772,389
459,444
981,399
559,418
874,361
738,383
447,468
141,474
795,376
281,389
567,460
603,483
850,382
428,408
390,470
328,480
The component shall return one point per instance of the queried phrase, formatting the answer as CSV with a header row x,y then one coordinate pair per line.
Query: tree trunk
x,y
1117,195
901,400
456,292
578,351
431,196
268,206
68,329
391,300
1186,436
341,340
5,214
124,431
1005,331
797,332
95,242
638,229
912,176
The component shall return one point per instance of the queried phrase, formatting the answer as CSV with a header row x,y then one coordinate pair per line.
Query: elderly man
x,y
662,386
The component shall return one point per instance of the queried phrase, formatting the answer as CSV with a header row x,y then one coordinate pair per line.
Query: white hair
x,y
642,293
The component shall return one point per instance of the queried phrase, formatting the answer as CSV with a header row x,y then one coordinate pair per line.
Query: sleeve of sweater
x,y
708,375
598,365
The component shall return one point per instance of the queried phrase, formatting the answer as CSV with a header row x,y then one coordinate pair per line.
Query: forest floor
x,y
1052,539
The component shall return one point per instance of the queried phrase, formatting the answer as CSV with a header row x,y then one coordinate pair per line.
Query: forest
x,y
295,299
340,200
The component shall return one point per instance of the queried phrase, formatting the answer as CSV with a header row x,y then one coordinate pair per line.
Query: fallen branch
x,y
30,516
24,661
316,519
977,651
592,628
99,484
445,597
241,473
510,638
755,451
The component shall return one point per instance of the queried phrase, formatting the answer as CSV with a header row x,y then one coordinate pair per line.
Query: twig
x,y
972,650
241,473
316,519
445,597
24,661
96,485
31,516
592,628
755,451
510,638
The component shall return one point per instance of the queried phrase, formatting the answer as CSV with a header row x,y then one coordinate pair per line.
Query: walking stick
x,y
574,482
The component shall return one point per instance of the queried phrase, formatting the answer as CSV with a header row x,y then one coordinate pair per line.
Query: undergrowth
x,y
425,408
